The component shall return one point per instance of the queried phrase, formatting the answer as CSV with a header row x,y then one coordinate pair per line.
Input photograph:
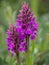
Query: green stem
x,y
32,51
33,46
18,58
28,59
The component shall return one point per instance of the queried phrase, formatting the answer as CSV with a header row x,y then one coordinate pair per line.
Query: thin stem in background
x,y
34,6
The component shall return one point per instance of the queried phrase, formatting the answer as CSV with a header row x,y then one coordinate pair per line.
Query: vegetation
x,y
40,47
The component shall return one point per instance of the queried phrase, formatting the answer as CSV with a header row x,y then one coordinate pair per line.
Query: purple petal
x,y
28,31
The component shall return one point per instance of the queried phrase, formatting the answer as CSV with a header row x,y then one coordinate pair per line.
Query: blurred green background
x,y
8,14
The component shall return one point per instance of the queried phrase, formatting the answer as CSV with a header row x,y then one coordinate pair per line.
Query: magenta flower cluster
x,y
15,39
27,21
27,26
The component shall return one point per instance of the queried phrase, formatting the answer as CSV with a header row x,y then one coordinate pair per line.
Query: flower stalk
x,y
18,58
27,52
